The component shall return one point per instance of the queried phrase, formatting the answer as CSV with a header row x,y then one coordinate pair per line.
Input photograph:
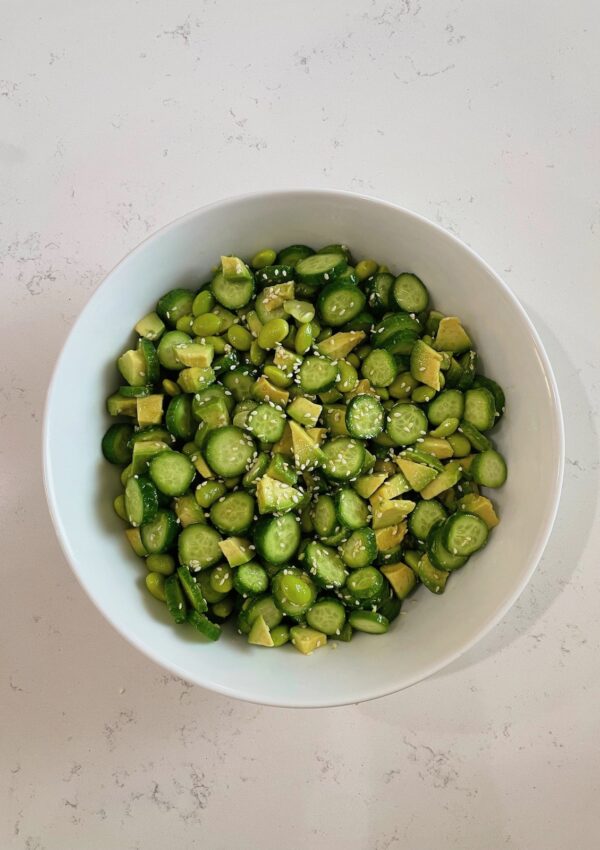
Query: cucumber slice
x,y
317,374
463,534
496,390
327,616
339,303
277,538
379,289
198,547
489,468
179,419
365,417
325,565
175,599
116,446
432,577
229,451
352,511
175,304
232,294
250,579
151,360
266,423
291,255
480,409
423,518
406,424
344,457
379,368
320,268
439,556
192,590
360,549
141,500
232,514
167,349
202,624
172,472
478,440
410,293
159,533
365,584
324,516
449,404
369,621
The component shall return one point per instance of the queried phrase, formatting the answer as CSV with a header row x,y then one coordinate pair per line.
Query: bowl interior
x,y
431,630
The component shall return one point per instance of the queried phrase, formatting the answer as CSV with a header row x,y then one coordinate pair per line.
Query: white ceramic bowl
x,y
432,630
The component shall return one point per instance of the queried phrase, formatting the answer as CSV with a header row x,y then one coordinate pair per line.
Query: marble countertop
x,y
115,118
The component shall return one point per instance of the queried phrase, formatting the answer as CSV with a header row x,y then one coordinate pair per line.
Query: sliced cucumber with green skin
x,y
393,324
468,367
379,289
480,409
277,538
410,293
478,440
151,359
320,268
336,248
449,404
317,375
369,621
250,579
232,294
400,343
270,275
172,473
232,514
325,565
229,451
423,518
209,394
175,304
257,470
192,590
344,457
266,423
434,578
489,469
202,624
291,255
198,547
134,392
160,533
365,417
464,533
379,368
116,446
406,424
261,606
339,303
141,500
439,555
293,591
360,549
327,616
365,583
390,607
175,599
179,419
352,511
496,390
167,349
324,516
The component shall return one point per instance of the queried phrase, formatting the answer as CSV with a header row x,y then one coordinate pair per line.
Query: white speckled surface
x,y
114,119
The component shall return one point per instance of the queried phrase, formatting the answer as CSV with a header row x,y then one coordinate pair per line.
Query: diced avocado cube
x,y
286,360
317,435
390,538
366,485
196,378
418,475
444,480
451,336
306,640
433,579
274,296
195,354
264,390
425,364
236,550
275,496
341,344
235,270
143,452
306,452
481,506
304,411
214,413
188,510
335,420
280,469
394,487
284,446
401,577
201,465
362,387
260,634
151,327
118,405
391,512
132,365
150,410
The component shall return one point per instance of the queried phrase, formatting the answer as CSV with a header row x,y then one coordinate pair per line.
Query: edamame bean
x,y
348,377
232,483
353,360
446,428
203,303
277,376
305,337
155,582
219,343
273,332
383,269
185,323
325,334
224,608
239,337
422,394
254,323
437,447
207,324
257,355
302,311
403,386
170,387
365,268
163,564
208,492
280,634
363,351
460,445
221,579
266,257
119,508
382,392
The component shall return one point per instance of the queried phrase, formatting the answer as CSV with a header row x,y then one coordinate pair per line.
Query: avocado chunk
x,y
362,387
286,360
201,466
149,410
394,487
401,577
236,550
433,579
280,469
341,344
214,413
118,405
481,506
188,510
366,485
260,634
418,475
306,452
425,364
306,640
151,327
390,538
264,390
317,435
195,354
284,446
196,378
391,512
446,479
235,270
132,365
143,452
275,496
335,420
273,297
304,411
451,336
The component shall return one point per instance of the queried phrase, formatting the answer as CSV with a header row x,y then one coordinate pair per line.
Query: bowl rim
x,y
444,660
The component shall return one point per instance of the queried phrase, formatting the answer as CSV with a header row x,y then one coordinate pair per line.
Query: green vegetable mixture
x,y
303,443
